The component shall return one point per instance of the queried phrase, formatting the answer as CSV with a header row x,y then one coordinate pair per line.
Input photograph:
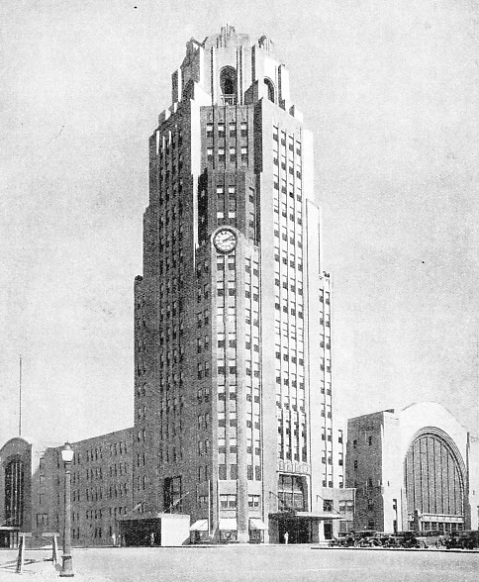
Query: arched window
x,y
434,477
228,85
14,493
270,87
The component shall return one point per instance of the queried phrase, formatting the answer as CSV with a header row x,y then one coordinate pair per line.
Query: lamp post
x,y
67,570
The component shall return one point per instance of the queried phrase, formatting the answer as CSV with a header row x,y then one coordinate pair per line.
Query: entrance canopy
x,y
257,525
321,515
318,515
200,525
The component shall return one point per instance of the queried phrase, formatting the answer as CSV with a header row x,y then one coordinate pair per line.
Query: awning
x,y
320,515
228,524
200,525
324,515
256,524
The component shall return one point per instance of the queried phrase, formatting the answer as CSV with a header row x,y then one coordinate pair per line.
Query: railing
x,y
228,100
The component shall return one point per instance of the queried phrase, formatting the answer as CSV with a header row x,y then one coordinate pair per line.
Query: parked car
x,y
342,542
465,540
388,541
367,538
407,539
471,540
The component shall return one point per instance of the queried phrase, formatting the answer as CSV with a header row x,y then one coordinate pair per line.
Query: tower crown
x,y
229,68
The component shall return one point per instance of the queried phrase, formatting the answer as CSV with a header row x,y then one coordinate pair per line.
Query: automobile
x,y
465,540
470,540
407,539
453,540
367,538
387,541
342,542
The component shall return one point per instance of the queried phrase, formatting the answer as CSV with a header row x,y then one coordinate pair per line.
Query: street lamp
x,y
67,570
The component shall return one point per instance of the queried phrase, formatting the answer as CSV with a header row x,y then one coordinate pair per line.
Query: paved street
x,y
265,563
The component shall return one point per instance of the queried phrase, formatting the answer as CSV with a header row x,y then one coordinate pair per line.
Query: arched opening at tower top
x,y
270,89
228,85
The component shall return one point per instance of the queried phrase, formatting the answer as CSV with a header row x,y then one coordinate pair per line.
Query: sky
x,y
390,91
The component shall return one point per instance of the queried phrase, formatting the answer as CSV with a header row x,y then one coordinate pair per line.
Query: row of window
x,y
232,129
287,381
171,194
169,171
253,473
284,214
169,241
232,154
356,443
170,139
288,140
293,287
170,455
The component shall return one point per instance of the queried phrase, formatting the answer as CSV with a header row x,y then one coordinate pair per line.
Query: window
x,y
228,502
254,502
42,519
327,505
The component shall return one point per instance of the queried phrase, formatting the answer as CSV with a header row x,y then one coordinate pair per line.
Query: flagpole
x,y
20,401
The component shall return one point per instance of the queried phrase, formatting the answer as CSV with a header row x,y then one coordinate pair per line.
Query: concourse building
x,y
414,470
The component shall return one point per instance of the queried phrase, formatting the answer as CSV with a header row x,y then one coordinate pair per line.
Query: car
x,y
367,538
407,539
464,540
470,540
453,540
342,542
387,541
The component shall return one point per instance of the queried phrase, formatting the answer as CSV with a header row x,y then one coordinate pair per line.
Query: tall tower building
x,y
233,393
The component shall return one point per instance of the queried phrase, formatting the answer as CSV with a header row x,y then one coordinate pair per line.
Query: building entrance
x,y
297,528
9,537
328,530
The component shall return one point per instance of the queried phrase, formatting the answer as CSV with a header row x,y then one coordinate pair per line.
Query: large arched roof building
x,y
416,469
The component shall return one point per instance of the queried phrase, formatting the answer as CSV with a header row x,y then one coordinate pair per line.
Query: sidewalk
x,y
41,570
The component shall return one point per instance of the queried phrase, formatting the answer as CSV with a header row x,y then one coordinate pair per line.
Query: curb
x,y
377,548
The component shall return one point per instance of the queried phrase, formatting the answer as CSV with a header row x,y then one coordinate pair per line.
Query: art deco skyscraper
x,y
233,419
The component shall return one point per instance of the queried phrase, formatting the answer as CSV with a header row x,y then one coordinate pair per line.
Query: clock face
x,y
225,240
